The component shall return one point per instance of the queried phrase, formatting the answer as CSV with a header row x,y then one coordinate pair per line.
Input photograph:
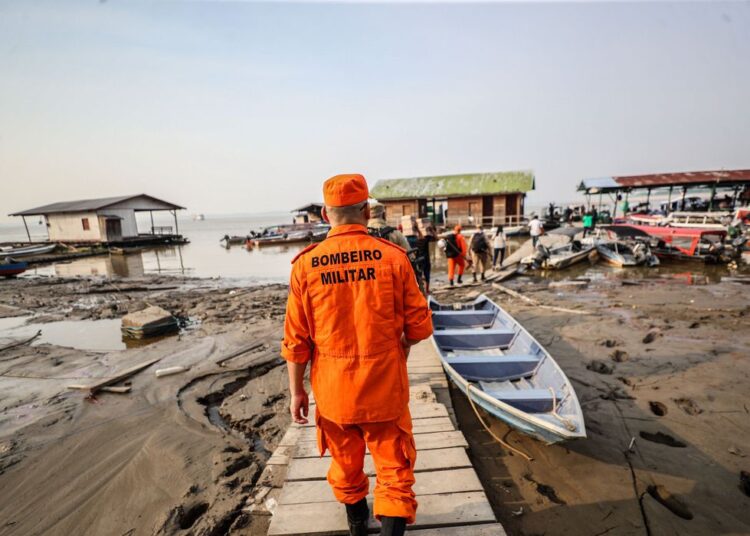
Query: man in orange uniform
x,y
455,251
354,310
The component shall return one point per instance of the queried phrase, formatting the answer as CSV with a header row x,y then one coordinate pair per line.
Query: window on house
x,y
85,223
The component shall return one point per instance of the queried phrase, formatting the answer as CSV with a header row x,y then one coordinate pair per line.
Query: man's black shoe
x,y
357,515
392,526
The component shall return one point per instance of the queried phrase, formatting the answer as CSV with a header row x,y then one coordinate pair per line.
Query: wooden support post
x,y
713,196
648,198
684,193
669,201
176,228
151,213
734,197
28,234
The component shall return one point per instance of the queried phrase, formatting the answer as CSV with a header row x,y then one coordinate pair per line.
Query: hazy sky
x,y
245,107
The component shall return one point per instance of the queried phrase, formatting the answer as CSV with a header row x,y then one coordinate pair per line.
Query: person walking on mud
x,y
455,252
480,253
353,312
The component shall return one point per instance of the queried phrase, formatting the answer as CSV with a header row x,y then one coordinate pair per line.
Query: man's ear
x,y
324,214
367,211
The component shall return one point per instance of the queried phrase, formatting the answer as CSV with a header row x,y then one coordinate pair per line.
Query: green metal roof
x,y
454,185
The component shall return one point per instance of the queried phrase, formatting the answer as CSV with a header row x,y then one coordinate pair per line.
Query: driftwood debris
x,y
170,370
21,343
95,387
238,353
535,303
120,390
503,274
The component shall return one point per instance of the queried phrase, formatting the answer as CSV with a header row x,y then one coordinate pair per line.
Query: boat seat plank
x,y
463,319
493,368
473,339
529,400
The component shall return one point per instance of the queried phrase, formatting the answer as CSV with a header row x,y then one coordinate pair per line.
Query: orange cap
x,y
345,190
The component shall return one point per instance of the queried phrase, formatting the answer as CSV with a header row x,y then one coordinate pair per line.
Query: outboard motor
x,y
542,254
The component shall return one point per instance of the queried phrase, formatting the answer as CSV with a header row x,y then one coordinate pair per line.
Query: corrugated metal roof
x,y
661,180
685,179
454,185
85,205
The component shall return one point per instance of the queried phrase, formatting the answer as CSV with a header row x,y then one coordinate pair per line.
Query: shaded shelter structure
x,y
310,213
109,220
487,198
735,184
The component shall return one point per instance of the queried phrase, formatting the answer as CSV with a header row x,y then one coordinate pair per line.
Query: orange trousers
x,y
453,262
391,445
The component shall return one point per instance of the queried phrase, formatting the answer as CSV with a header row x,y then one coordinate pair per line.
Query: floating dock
x,y
451,498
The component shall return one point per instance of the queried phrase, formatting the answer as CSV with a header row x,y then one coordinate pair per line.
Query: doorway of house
x,y
114,229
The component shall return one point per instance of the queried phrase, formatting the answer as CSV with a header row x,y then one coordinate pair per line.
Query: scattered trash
x,y
632,444
517,513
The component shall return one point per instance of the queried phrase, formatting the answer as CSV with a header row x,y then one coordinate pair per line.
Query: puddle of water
x,y
97,335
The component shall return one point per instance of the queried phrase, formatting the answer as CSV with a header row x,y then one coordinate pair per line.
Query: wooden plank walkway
x,y
450,495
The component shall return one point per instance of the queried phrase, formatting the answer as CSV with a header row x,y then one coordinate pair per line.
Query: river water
x,y
205,257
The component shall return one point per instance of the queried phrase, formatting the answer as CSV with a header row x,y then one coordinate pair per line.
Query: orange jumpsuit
x,y
351,298
459,261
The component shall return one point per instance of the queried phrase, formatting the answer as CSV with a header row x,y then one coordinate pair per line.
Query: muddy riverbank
x,y
659,365
175,455
661,371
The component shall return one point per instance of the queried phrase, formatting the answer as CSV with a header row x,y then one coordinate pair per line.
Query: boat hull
x,y
13,269
505,371
519,422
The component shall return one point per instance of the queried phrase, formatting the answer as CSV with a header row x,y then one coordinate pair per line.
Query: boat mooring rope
x,y
567,422
481,420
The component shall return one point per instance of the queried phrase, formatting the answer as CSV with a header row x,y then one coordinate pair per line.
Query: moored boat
x,y
690,244
12,268
493,360
625,249
27,251
559,257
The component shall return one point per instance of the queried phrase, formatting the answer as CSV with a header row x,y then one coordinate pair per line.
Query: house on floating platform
x,y
311,213
489,198
109,220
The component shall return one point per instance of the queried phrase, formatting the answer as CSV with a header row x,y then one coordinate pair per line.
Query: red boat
x,y
687,243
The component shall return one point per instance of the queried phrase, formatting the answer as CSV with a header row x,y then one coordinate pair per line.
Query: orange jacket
x,y
351,298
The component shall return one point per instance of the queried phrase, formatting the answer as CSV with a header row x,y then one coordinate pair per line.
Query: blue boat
x,y
491,358
12,268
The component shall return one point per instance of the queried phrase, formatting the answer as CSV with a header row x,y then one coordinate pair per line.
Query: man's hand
x,y
406,344
299,407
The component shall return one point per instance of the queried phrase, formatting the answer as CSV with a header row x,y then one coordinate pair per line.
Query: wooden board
x,y
450,509
95,387
419,410
429,460
495,529
431,483
419,426
428,441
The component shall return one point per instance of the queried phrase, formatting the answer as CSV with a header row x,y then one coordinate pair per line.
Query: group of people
x,y
480,253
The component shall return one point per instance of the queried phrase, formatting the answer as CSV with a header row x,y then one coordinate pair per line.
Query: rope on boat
x,y
499,440
567,422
